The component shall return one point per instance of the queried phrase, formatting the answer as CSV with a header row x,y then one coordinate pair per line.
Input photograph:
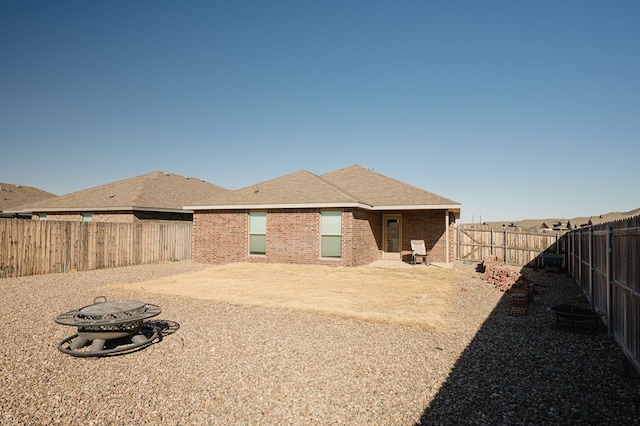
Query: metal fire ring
x,y
109,327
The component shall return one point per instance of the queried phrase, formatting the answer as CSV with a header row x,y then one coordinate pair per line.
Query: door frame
x,y
387,254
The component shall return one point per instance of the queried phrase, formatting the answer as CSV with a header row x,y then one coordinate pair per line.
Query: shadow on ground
x,y
531,370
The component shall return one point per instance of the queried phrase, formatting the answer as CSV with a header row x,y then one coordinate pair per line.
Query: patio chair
x,y
419,252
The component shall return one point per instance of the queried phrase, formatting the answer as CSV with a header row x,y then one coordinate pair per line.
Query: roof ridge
x,y
145,183
338,189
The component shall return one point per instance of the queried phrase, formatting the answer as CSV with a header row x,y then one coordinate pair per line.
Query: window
x,y
87,217
331,234
257,233
42,216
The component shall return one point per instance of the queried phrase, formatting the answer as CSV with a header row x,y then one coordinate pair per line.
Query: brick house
x,y
156,196
12,196
349,217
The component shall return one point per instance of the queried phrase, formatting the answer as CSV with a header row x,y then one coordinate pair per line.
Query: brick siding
x,y
293,236
119,216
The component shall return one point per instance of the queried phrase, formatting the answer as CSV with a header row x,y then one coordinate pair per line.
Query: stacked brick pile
x,y
498,274
505,279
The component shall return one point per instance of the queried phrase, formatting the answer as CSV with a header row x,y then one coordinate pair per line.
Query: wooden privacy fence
x,y
512,245
32,247
605,261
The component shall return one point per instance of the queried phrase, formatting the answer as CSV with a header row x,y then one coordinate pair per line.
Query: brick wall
x,y
120,216
367,229
220,236
293,236
116,217
430,226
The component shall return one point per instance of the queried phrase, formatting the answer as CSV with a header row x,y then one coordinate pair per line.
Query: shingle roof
x,y
299,188
574,223
378,190
15,195
156,191
354,186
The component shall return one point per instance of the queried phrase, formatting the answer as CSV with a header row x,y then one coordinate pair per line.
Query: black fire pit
x,y
107,328
574,313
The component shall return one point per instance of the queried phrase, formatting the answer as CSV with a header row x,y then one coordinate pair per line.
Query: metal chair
x,y
419,252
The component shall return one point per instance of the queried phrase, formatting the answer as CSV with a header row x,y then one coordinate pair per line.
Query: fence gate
x,y
512,245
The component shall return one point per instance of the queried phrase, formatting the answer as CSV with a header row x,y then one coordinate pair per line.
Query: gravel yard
x,y
222,363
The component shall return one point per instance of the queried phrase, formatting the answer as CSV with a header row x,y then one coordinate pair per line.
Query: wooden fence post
x,y
609,281
505,248
493,243
580,258
591,268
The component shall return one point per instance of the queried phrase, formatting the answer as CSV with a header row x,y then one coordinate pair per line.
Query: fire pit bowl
x,y
107,328
573,313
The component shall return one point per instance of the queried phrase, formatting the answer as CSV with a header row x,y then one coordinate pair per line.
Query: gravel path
x,y
226,364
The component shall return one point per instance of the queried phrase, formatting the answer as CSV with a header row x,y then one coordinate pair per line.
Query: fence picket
x,y
515,247
29,247
613,270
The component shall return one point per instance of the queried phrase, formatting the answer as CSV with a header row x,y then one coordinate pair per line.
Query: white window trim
x,y
322,234
255,233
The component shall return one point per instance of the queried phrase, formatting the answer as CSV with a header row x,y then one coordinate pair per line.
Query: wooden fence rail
x,y
32,247
513,246
605,262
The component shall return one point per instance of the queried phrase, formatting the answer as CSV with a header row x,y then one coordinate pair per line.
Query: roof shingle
x,y
351,186
376,189
156,190
15,195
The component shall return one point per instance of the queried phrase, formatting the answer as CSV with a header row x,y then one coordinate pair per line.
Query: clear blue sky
x,y
515,109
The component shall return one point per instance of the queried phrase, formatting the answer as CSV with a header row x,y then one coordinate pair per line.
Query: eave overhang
x,y
280,206
99,209
453,208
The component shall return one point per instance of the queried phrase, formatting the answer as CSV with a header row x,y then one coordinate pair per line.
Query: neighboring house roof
x,y
580,222
354,186
16,195
608,217
534,223
156,191
567,224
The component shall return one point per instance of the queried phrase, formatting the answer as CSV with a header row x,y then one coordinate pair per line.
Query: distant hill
x,y
16,195
564,224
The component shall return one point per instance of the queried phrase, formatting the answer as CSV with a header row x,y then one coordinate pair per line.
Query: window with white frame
x,y
42,216
331,234
257,232
87,217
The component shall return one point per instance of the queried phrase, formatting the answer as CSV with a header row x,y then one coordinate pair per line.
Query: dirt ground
x,y
416,295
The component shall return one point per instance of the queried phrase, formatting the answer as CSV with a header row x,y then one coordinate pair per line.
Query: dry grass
x,y
416,296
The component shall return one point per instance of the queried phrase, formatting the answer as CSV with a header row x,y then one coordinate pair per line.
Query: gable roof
x,y
383,192
354,186
156,191
567,224
299,189
15,195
